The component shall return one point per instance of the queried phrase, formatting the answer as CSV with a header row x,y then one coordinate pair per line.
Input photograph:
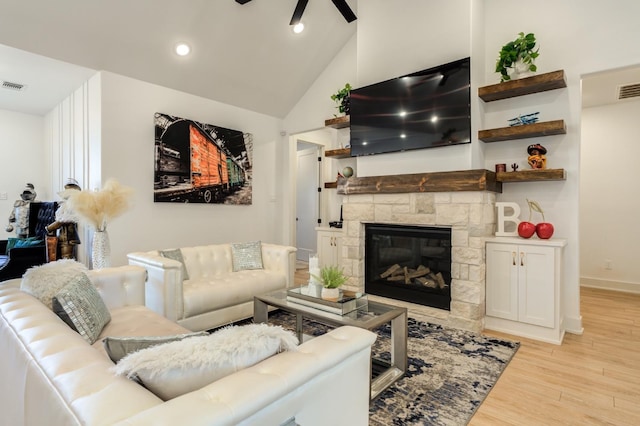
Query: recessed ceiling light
x,y
298,28
183,49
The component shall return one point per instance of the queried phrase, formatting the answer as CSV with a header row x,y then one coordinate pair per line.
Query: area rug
x,y
450,372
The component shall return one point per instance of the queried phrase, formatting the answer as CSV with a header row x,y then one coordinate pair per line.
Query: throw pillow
x,y
246,256
176,368
80,306
176,254
43,282
119,347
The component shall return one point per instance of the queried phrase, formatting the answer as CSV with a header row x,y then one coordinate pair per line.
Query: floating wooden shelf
x,y
338,153
463,180
532,175
523,86
545,128
330,185
338,122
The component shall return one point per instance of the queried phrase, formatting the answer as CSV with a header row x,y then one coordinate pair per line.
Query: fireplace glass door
x,y
409,263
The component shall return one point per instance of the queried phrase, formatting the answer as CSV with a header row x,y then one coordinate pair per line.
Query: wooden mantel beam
x,y
463,180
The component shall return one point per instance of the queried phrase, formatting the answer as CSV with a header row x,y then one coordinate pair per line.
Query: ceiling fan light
x,y
298,28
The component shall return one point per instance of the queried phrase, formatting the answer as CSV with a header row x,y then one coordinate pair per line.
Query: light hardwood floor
x,y
592,379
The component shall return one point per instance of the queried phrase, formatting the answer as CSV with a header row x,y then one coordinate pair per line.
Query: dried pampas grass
x,y
98,207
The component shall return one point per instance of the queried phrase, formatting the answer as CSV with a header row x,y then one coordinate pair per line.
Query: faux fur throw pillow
x,y
175,368
45,281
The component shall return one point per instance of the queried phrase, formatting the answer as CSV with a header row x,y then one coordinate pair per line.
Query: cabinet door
x,y
328,248
502,281
536,285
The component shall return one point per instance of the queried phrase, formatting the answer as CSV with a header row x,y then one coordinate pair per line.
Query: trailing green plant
x,y
341,98
522,48
331,277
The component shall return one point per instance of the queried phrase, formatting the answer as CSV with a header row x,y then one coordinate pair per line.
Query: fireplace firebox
x,y
409,263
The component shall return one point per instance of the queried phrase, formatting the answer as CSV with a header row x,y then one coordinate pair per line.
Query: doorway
x,y
307,198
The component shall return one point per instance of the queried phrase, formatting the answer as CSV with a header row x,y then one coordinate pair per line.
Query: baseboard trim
x,y
573,325
622,286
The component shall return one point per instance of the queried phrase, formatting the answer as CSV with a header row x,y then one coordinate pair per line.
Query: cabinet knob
x,y
513,258
521,258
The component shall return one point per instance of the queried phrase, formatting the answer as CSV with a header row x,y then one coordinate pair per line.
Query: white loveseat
x,y
214,294
52,376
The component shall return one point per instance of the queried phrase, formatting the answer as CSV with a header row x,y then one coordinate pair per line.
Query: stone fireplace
x,y
468,214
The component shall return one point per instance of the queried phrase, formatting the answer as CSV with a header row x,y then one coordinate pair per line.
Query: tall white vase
x,y
101,250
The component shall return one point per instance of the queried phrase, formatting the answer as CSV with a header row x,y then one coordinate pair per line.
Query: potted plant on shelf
x,y
341,97
518,55
332,278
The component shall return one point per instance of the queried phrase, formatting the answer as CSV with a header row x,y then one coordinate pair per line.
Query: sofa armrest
x,y
284,386
163,291
280,259
120,286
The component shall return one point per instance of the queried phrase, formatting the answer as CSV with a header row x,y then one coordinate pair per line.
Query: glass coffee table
x,y
370,316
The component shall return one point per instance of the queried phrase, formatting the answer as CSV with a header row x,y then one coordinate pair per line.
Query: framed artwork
x,y
201,163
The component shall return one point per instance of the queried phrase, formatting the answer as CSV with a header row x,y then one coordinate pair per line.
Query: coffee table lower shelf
x,y
375,314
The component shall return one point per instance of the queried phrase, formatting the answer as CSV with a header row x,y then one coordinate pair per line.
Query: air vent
x,y
629,91
13,86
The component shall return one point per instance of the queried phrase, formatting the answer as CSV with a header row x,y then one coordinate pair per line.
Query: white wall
x,y
22,161
106,129
609,205
557,26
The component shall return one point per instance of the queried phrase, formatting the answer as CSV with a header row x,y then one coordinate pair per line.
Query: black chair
x,y
19,259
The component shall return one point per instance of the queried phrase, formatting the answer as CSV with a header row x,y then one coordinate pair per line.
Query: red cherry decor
x,y
544,230
526,229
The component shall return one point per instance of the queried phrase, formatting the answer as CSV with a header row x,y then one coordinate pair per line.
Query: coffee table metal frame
x,y
375,315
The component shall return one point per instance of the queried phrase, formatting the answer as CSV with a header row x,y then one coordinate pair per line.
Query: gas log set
x,y
421,276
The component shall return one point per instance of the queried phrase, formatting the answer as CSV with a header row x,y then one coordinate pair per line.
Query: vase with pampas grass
x,y
97,208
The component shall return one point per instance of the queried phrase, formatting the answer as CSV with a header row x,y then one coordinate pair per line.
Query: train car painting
x,y
201,163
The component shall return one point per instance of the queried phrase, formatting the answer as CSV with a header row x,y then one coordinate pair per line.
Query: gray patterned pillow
x,y
176,254
80,306
246,256
119,347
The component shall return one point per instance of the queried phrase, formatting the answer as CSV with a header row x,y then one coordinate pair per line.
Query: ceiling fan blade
x,y
243,1
297,14
346,11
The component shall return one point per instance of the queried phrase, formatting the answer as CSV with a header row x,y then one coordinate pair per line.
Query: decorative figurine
x,y
524,119
66,222
514,167
537,159
20,213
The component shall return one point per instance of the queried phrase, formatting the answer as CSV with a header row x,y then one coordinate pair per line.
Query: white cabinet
x,y
329,246
523,287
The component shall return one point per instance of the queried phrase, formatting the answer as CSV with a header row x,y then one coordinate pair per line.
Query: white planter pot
x,y
332,294
520,70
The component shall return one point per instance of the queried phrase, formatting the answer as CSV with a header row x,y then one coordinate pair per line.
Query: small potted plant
x,y
331,277
342,99
518,54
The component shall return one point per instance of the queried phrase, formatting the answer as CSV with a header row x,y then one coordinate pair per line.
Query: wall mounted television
x,y
426,109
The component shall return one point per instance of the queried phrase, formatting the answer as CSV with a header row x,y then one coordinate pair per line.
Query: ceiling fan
x,y
342,6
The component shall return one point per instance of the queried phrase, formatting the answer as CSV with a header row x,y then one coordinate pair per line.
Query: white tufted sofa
x,y
213,295
52,376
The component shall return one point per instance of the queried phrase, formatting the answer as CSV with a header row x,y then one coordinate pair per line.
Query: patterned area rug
x,y
450,372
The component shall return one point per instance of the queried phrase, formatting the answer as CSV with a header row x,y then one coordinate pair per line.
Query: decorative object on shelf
x,y
332,279
97,208
341,98
501,168
514,167
66,223
518,55
544,230
524,119
537,158
347,172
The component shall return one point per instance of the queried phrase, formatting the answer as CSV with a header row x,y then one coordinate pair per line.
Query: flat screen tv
x,y
426,109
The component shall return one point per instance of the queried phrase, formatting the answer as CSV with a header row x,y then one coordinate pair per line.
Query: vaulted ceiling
x,y
242,55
